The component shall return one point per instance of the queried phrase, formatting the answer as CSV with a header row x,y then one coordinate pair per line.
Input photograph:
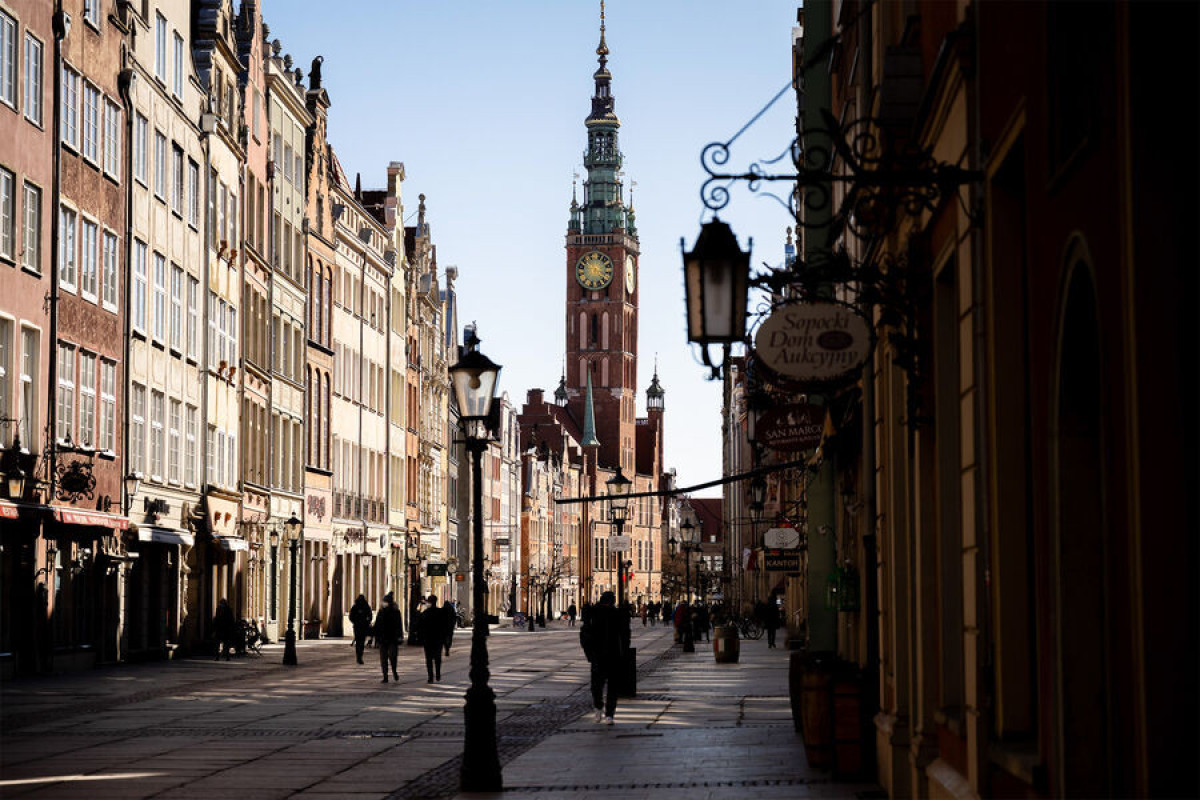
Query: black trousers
x,y
360,643
605,672
388,653
770,637
433,661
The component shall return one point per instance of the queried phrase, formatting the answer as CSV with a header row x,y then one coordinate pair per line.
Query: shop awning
x,y
232,543
71,516
153,533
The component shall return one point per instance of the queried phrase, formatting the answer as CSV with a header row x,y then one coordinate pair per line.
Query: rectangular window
x,y
160,297
212,331
160,165
211,441
112,138
91,122
65,406
174,452
157,412
189,447
160,47
33,80
88,268
137,428
177,177
222,338
8,208
141,127
87,399
177,82
231,458
193,323
31,255
31,341
8,59
66,252
91,11
108,406
108,282
70,108
139,286
219,459
177,307
193,193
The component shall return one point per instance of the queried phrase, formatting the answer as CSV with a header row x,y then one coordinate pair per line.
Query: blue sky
x,y
484,103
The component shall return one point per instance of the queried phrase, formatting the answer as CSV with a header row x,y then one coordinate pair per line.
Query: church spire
x,y
589,418
603,207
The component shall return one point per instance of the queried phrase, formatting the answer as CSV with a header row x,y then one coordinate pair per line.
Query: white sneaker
x,y
608,720
599,715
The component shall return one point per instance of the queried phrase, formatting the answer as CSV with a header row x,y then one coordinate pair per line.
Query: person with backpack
x,y
360,618
389,627
605,640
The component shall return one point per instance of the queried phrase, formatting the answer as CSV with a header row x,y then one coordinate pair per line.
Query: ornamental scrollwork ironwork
x,y
75,480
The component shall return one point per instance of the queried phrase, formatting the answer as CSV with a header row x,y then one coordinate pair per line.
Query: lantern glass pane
x,y
718,300
694,298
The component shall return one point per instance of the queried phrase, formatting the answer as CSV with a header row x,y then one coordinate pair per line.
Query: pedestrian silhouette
x,y
431,626
389,626
360,618
224,627
605,640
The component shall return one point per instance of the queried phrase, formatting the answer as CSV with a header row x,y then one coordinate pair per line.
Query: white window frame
x,y
64,421
34,73
176,308
177,72
177,186
174,452
110,266
89,247
141,129
159,321
231,453
160,165
90,122
91,12
108,406
87,398
158,409
193,201
8,60
7,402
137,428
140,287
31,252
160,47
27,375
193,308
70,108
8,214
191,417
112,138
68,219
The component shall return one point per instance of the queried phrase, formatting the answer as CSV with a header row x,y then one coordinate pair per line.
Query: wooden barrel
x,y
816,712
847,726
726,645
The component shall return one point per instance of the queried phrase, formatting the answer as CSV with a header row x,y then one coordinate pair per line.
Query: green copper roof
x,y
589,418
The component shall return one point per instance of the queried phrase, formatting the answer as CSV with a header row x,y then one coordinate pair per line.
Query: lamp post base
x,y
289,649
481,762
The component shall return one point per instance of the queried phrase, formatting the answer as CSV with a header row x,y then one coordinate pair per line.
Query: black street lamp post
x,y
619,488
688,531
474,382
293,527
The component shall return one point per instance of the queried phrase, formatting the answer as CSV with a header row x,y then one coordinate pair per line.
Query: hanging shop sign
x,y
435,570
618,544
781,560
791,428
819,342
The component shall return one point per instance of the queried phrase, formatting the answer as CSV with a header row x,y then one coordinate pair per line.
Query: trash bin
x,y
726,645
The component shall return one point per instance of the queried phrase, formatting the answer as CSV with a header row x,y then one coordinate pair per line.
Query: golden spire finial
x,y
602,50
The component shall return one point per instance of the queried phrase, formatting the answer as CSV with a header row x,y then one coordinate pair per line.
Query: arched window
x,y
582,334
604,333
308,399
595,329
604,372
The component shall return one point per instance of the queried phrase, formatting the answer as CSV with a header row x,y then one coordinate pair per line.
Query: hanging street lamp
x,y
716,278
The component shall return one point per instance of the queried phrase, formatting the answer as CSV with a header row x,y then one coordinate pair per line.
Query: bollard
x,y
726,645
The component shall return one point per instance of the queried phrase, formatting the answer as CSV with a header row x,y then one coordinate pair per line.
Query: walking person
x,y
389,627
360,618
224,627
572,611
431,626
605,640
451,612
770,620
642,612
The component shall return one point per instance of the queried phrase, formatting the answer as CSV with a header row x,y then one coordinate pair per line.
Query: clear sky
x,y
484,102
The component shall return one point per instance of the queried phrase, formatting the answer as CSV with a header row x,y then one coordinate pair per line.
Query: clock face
x,y
594,270
630,274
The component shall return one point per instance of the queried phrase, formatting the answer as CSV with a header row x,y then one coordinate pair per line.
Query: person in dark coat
x,y
224,628
389,627
769,613
431,626
572,612
606,642
360,618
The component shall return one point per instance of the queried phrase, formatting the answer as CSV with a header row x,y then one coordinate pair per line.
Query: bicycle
x,y
749,628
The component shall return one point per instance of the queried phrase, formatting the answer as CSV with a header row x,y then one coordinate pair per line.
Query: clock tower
x,y
602,285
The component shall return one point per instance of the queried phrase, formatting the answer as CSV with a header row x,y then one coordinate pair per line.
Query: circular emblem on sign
x,y
814,342
594,270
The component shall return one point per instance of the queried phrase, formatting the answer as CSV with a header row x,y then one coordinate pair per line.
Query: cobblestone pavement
x,y
328,728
